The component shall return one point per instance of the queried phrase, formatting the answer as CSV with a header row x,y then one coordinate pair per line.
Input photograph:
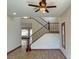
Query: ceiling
x,y
22,9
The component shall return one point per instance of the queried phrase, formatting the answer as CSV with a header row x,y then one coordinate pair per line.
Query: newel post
x,y
28,45
28,42
49,26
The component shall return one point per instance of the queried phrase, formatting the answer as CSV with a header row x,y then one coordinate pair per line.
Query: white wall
x,y
50,19
13,33
66,17
47,41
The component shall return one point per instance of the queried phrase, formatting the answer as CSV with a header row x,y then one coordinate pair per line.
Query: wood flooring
x,y
35,54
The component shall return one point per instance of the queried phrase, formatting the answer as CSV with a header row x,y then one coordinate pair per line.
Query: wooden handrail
x,y
36,39
42,27
38,30
39,22
54,23
43,20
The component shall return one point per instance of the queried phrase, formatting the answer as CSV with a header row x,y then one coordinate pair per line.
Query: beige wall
x,y
66,17
13,33
50,19
35,26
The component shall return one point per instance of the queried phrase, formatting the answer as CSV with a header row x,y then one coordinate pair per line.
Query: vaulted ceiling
x,y
22,9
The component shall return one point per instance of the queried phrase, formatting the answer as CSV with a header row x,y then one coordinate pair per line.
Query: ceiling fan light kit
x,y
42,9
42,6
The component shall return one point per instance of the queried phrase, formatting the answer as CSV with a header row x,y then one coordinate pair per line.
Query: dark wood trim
x,y
24,37
45,49
63,24
28,48
28,42
39,22
54,32
43,20
26,27
54,23
14,49
28,45
38,30
49,26
37,39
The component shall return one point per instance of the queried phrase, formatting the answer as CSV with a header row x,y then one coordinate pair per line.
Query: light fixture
x,y
14,13
42,10
25,17
42,6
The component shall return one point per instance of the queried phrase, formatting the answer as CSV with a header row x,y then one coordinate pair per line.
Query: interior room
x,y
38,29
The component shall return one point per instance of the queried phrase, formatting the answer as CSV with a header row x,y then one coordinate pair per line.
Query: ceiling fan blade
x,y
51,7
33,5
37,10
47,11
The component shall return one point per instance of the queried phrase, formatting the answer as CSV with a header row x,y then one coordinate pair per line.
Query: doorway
x,y
25,34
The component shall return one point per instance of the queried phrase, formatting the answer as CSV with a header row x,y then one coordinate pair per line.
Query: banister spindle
x,y
49,26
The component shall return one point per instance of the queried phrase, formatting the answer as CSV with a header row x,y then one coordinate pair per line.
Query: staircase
x,y
40,21
39,33
47,28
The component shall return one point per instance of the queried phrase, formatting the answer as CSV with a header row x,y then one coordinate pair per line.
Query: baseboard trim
x,y
13,49
45,49
63,54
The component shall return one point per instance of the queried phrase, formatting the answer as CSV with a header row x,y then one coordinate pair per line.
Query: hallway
x,y
36,54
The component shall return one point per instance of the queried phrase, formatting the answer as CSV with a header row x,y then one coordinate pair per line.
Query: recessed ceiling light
x,y
25,17
14,13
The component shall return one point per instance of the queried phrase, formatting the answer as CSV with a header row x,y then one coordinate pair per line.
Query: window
x,y
30,32
24,32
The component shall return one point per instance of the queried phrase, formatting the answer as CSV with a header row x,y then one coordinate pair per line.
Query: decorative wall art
x,y
63,35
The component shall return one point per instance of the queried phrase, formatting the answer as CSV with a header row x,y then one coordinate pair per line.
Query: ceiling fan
x,y
42,6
